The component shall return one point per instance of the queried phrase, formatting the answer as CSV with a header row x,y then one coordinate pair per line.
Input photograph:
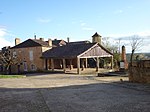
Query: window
x,y
25,66
14,54
33,67
31,55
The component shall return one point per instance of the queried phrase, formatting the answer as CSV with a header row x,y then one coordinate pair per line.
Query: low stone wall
x,y
140,71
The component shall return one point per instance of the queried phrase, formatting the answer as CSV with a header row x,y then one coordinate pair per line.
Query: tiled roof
x,y
31,43
67,51
71,50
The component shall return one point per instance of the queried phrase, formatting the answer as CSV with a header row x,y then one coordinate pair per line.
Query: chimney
x,y
34,36
17,41
42,39
123,56
123,53
68,40
50,42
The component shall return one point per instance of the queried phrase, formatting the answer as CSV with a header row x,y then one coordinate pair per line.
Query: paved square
x,y
72,93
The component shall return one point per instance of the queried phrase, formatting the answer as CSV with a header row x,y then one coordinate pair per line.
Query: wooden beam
x,y
97,64
64,65
112,62
82,64
78,65
86,63
52,64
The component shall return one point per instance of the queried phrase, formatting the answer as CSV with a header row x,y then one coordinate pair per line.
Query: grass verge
x,y
11,76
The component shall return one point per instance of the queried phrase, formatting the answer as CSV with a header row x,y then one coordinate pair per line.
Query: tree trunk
x,y
9,69
131,58
130,66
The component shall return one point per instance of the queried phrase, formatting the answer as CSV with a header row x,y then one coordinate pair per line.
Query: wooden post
x,y
61,66
52,64
70,66
46,61
64,65
78,65
82,63
48,64
97,64
86,63
111,62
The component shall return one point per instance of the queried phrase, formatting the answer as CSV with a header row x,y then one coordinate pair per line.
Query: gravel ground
x,y
73,93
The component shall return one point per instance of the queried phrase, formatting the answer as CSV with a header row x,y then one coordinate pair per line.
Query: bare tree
x,y
7,59
112,47
136,44
107,43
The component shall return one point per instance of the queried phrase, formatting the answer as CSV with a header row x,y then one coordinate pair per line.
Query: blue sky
x,y
77,19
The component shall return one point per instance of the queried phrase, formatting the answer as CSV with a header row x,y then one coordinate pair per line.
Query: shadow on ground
x,y
99,97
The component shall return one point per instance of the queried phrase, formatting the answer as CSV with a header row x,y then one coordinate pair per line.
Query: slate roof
x,y
69,50
96,35
31,43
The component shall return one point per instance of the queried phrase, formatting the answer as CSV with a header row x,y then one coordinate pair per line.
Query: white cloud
x,y
3,41
146,48
43,20
141,33
144,33
83,24
124,40
73,22
2,32
118,11
118,35
87,28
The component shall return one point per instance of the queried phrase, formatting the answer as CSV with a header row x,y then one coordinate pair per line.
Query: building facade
x,y
36,55
29,54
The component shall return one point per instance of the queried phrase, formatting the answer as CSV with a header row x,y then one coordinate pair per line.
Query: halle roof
x,y
69,50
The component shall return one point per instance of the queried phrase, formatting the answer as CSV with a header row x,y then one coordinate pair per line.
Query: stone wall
x,y
33,63
140,71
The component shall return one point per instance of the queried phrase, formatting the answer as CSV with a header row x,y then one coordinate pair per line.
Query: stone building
x,y
29,54
38,55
